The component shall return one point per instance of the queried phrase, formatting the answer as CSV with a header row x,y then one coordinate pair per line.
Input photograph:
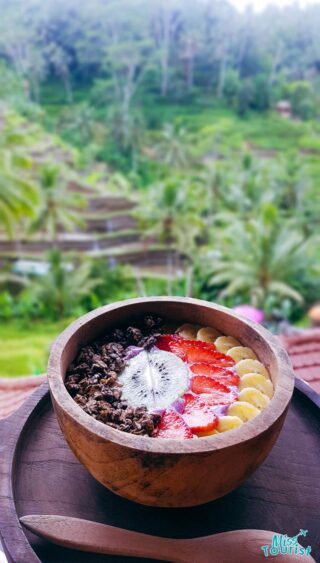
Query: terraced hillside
x,y
107,225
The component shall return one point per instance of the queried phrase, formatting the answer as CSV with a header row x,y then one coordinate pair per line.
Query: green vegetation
x,y
144,150
24,349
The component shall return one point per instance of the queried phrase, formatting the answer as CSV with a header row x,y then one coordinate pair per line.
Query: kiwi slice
x,y
154,379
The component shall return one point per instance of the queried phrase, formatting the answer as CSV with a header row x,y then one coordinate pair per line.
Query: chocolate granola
x,y
92,378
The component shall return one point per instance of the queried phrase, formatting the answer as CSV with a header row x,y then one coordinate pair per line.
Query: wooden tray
x,y
40,475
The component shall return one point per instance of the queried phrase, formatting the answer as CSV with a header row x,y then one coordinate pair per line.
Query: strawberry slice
x,y
199,416
219,373
164,341
212,399
189,397
172,425
204,384
208,354
181,346
217,398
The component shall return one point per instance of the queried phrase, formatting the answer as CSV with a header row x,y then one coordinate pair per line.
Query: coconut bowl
x,y
170,473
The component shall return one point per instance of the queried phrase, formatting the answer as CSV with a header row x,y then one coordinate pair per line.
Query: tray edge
x,y
14,541
11,429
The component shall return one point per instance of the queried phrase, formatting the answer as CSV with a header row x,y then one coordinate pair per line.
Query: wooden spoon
x,y
240,546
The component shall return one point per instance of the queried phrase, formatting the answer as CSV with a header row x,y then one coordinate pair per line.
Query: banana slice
x,y
255,397
257,381
209,433
224,343
239,353
243,410
251,366
188,331
208,334
228,422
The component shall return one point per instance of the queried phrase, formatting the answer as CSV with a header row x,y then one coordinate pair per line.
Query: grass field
x,y
24,348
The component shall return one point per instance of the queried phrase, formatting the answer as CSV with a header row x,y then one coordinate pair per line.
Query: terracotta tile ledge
x,y
15,390
304,351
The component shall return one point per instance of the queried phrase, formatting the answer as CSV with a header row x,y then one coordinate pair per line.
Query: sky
x,y
259,5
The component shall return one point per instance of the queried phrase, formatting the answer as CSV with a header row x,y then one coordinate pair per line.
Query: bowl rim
x,y
251,429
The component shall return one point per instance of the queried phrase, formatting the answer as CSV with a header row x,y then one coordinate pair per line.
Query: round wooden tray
x,y
40,475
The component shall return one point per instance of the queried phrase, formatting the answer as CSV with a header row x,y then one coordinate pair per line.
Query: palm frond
x,y
285,290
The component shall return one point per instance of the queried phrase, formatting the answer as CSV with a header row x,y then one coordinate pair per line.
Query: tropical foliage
x,y
171,109
59,206
19,194
59,292
262,257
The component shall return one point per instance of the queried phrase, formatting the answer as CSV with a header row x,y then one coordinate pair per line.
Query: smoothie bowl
x,y
169,401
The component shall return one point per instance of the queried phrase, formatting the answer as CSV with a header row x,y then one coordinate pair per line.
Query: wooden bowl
x,y
170,473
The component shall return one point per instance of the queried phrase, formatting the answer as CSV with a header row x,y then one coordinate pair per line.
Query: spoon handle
x,y
239,546
93,537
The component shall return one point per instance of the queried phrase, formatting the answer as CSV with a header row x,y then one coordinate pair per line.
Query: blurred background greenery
x,y
155,147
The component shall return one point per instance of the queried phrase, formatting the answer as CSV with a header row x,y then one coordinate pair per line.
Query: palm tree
x,y
297,193
260,257
215,178
292,180
238,186
172,211
172,214
79,119
63,287
59,205
174,146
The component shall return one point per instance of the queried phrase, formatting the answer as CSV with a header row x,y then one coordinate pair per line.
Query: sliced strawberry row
x,y
209,388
